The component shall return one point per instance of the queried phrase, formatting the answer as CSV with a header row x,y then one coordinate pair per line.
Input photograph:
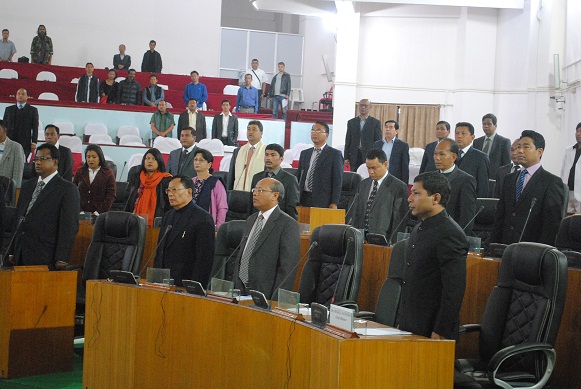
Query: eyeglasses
x,y
41,159
260,190
318,131
173,190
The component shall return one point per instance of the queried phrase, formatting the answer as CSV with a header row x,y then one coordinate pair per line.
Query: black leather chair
x,y
484,222
121,194
350,182
227,241
491,188
113,166
222,175
9,226
239,205
9,190
333,270
569,240
291,170
521,321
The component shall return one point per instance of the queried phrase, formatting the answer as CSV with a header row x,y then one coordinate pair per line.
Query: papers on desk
x,y
380,331
244,298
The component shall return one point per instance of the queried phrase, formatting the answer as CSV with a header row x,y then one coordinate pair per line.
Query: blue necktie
x,y
520,183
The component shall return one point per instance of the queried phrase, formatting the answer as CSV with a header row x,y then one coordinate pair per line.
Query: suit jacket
x,y
188,249
173,163
355,136
499,152
232,131
475,163
25,130
12,162
435,278
287,203
184,121
501,174
546,214
399,161
428,164
275,255
48,232
126,62
65,163
387,210
98,195
328,175
462,202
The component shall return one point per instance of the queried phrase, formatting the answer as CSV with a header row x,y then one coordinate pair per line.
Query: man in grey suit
x,y
362,132
472,161
11,158
381,201
492,144
461,205
121,61
442,132
181,161
270,244
396,150
192,118
227,134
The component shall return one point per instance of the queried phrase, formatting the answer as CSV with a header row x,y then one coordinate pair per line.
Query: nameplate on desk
x,y
341,317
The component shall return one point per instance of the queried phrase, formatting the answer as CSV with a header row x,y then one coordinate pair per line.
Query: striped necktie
x,y
520,184
368,208
312,170
245,260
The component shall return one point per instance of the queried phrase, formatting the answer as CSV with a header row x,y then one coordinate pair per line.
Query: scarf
x,y
147,194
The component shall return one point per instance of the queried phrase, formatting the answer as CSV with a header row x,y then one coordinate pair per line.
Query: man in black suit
x,y
397,151
270,244
381,199
273,157
192,118
442,132
472,161
435,276
320,171
181,161
532,190
188,234
227,134
49,209
505,170
65,168
461,205
492,144
21,120
88,86
121,61
362,132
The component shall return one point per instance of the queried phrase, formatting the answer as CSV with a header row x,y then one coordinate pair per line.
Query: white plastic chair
x,y
342,148
166,145
214,146
108,158
297,96
168,104
41,132
128,130
204,107
130,140
285,164
48,96
134,160
75,81
225,163
162,86
72,142
101,139
288,156
46,76
416,155
231,90
8,74
95,128
65,128
362,170
296,149
119,79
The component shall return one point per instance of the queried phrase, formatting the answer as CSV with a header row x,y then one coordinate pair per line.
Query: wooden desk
x,y
137,337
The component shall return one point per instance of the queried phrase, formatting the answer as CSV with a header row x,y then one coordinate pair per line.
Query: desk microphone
x,y
533,202
474,218
238,179
349,241
313,245
131,189
123,169
351,206
226,261
167,229
20,220
398,226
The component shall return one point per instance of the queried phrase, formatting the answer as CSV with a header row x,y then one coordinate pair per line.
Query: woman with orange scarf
x,y
147,185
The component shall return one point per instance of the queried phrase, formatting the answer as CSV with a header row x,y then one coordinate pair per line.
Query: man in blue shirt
x,y
196,90
247,98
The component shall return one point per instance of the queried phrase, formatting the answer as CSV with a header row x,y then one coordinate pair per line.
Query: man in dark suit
x,y
492,144
461,205
270,244
181,161
442,132
505,170
321,165
472,161
21,120
188,233
51,136
435,276
362,132
381,198
273,157
49,209
192,118
228,135
397,151
121,61
88,86
520,189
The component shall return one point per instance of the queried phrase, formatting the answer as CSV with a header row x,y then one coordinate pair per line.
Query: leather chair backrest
x,y
222,175
389,295
239,205
227,241
351,181
113,166
339,247
491,187
569,235
291,170
485,219
9,190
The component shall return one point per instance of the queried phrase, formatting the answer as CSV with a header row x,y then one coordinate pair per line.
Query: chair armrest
x,y
365,315
497,249
348,304
468,328
507,352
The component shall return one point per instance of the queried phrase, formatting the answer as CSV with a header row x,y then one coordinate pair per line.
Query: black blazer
x,y
499,153
328,175
399,161
232,129
99,195
65,163
25,131
48,232
288,203
184,121
367,137
501,174
126,62
475,163
546,215
428,164
462,202
188,248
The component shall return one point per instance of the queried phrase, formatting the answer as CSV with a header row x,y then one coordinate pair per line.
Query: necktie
x,y
245,260
312,171
183,158
37,191
460,154
515,168
369,202
271,174
520,184
486,148
248,159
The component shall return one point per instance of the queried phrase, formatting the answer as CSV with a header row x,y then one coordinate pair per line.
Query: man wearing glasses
x,y
47,215
186,239
270,246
